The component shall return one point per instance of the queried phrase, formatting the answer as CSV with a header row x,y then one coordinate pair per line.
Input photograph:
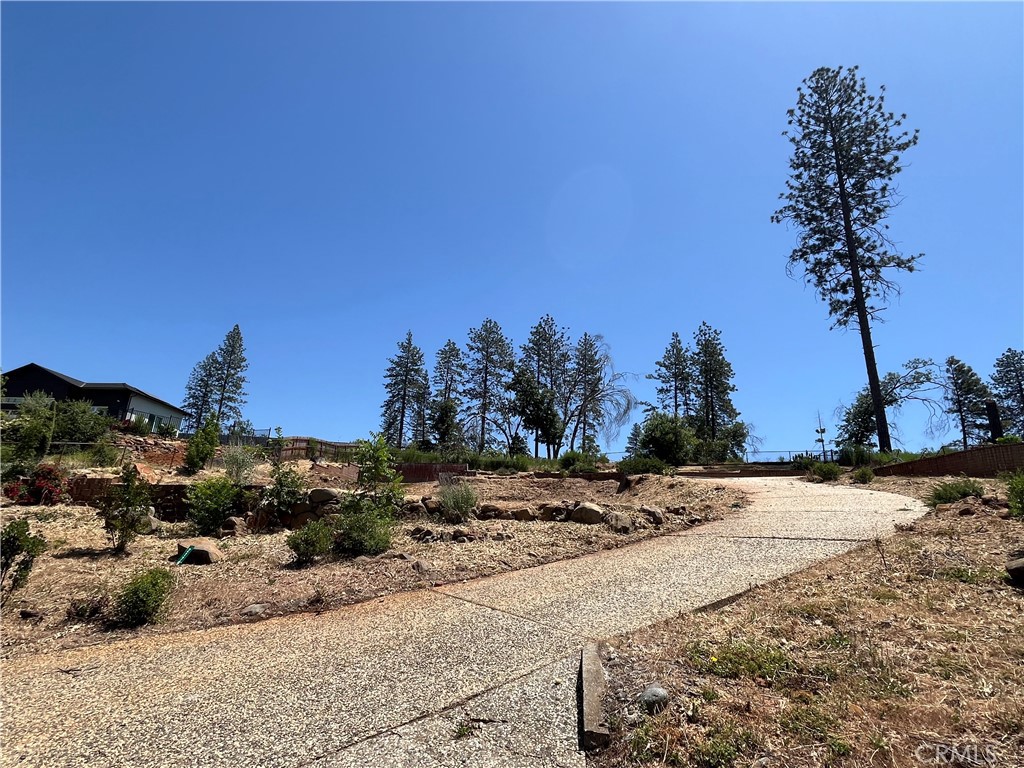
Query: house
x,y
122,401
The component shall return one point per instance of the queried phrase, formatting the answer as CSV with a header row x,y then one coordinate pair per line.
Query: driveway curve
x,y
481,673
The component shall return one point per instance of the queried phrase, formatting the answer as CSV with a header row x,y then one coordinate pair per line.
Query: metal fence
x,y
766,456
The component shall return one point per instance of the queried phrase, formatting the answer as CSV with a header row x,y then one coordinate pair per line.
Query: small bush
x,y
239,463
577,461
203,445
166,429
1008,440
103,454
947,493
457,502
138,426
803,461
494,462
286,489
856,456
313,541
826,471
863,475
142,599
210,503
642,465
18,552
125,508
1015,494
364,528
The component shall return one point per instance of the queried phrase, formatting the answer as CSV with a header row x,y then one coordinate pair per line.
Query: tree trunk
x,y
874,385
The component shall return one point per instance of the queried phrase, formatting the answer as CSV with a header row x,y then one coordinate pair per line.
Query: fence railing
x,y
313,448
766,456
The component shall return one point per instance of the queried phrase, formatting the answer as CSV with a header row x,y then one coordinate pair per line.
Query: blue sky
x,y
330,175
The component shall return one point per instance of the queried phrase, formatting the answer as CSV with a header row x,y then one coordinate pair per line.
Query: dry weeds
x,y
895,654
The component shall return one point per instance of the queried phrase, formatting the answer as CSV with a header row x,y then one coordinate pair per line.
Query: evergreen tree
x,y
675,378
535,405
405,382
199,392
713,384
548,353
449,373
917,382
229,378
1008,390
846,152
489,363
965,397
633,449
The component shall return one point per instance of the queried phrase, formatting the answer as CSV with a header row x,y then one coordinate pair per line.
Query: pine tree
x,y
405,382
198,400
489,362
217,384
716,421
449,373
846,152
965,397
548,354
601,399
1008,389
229,377
675,377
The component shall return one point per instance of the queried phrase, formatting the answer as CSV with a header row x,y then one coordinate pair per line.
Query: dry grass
x,y
867,659
79,564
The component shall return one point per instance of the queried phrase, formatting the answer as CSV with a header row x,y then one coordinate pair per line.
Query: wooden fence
x,y
982,461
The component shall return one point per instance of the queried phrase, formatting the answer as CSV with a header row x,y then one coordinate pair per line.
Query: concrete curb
x,y
594,732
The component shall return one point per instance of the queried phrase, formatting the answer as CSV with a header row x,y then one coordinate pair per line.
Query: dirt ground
x,y
904,652
79,565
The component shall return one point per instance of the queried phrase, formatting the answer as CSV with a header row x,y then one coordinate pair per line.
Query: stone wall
x,y
429,473
982,461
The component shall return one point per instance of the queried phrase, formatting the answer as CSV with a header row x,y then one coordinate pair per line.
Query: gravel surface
x,y
396,681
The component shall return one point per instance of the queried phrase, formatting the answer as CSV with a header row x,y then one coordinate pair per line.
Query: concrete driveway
x,y
481,673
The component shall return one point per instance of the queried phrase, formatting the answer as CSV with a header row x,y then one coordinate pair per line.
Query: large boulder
x,y
204,552
524,513
587,513
554,512
233,526
414,509
488,512
655,515
432,505
1015,569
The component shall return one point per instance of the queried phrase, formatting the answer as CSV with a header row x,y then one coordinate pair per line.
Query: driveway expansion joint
x,y
544,625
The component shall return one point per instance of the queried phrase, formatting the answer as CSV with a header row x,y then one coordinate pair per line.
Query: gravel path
x,y
474,674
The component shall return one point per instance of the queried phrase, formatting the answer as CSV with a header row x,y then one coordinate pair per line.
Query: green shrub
x,y
239,463
138,426
203,445
855,456
577,461
863,475
364,528
826,471
76,422
1015,494
103,454
1008,440
211,502
142,599
18,552
313,541
166,429
457,502
286,489
803,461
947,493
641,465
125,508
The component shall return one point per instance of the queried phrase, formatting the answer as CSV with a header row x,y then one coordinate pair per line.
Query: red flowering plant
x,y
47,485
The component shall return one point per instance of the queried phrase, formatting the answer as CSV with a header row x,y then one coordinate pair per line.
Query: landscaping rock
x,y
619,522
233,526
150,525
422,566
677,510
1015,568
301,508
260,519
655,515
256,609
414,509
488,511
432,505
587,514
554,512
323,495
206,551
524,514
654,699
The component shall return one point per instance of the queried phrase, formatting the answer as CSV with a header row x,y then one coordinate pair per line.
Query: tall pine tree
x,y
198,400
548,354
716,421
1008,390
405,382
217,383
675,379
965,398
846,152
489,363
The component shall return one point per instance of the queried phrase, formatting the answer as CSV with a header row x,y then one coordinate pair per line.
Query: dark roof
x,y
119,385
